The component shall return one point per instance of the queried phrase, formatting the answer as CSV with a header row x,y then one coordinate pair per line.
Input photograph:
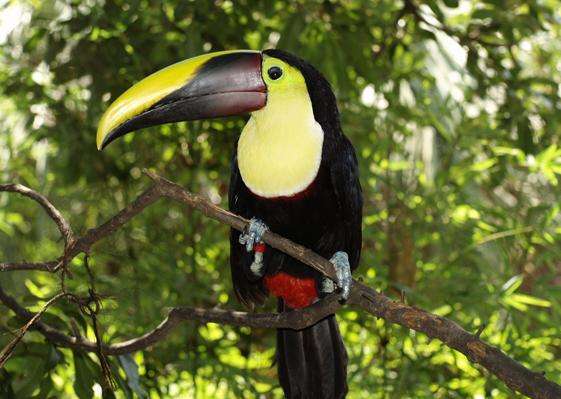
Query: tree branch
x,y
49,266
295,320
62,224
177,193
512,373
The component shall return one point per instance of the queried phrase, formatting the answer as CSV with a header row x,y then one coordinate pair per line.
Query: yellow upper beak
x,y
185,91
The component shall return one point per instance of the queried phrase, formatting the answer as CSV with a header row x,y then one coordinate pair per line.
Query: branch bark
x,y
513,374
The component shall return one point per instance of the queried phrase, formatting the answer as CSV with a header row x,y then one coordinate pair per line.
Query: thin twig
x,y
9,349
49,266
62,224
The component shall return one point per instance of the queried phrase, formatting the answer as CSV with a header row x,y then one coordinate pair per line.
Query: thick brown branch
x,y
295,320
513,374
84,243
176,192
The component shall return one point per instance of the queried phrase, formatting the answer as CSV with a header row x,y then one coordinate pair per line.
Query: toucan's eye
x,y
274,72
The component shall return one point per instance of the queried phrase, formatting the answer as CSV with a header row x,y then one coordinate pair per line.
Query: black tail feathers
x,y
312,362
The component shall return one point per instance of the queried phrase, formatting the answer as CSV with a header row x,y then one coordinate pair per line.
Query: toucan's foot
x,y
257,267
253,234
343,268
327,285
252,241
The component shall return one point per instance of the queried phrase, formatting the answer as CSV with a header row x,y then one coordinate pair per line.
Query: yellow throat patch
x,y
280,148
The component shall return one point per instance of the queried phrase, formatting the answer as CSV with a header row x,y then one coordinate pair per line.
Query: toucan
x,y
293,172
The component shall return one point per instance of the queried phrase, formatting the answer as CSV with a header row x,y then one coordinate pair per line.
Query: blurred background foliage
x,y
453,107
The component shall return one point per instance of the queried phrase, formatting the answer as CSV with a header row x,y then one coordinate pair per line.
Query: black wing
x,y
249,293
346,184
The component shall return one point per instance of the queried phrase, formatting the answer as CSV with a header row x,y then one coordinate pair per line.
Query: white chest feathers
x,y
280,148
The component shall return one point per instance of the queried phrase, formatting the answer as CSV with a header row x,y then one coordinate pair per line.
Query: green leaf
x,y
483,165
33,377
512,284
6,390
133,378
509,301
531,300
85,376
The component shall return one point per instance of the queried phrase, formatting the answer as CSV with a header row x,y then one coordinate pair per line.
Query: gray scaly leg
x,y
250,239
341,262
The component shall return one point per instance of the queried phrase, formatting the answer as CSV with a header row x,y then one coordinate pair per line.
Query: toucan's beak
x,y
209,86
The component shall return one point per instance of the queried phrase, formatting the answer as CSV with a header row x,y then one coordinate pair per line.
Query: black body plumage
x,y
326,218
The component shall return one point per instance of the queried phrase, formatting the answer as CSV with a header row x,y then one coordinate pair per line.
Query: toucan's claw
x,y
327,285
257,267
343,268
253,235
251,238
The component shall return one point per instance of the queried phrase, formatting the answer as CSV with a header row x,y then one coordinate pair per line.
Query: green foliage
x,y
453,107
